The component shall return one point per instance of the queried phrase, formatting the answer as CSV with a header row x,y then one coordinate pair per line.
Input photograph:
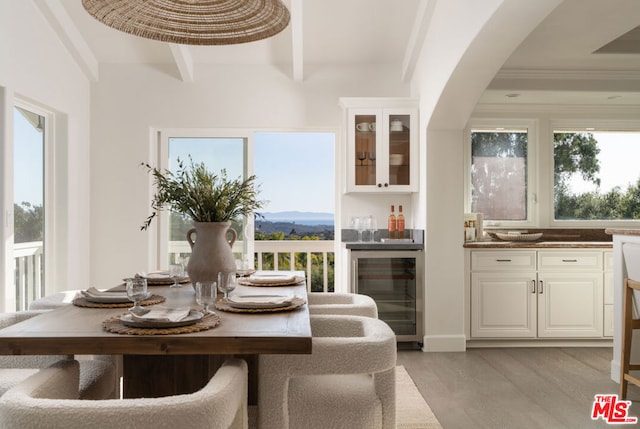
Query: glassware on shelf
x,y
372,157
362,156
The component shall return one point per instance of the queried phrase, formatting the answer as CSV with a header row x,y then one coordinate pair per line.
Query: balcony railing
x,y
28,272
314,257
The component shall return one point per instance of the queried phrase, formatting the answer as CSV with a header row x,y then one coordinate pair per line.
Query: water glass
x,y
206,292
136,292
176,271
226,282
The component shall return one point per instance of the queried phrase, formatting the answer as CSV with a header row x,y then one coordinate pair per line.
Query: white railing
x,y
287,251
28,272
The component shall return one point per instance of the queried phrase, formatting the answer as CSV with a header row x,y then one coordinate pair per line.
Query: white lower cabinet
x,y
557,294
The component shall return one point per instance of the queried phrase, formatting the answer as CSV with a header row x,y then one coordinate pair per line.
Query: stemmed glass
x,y
206,294
176,271
137,292
372,157
362,156
226,282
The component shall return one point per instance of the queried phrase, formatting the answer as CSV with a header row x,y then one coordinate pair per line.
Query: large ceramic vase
x,y
210,251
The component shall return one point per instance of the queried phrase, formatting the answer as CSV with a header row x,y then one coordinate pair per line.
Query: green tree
x,y
28,222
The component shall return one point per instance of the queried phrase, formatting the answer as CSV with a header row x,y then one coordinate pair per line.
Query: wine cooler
x,y
394,279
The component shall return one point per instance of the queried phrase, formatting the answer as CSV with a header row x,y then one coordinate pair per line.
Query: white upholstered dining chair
x,y
347,382
342,303
47,399
98,374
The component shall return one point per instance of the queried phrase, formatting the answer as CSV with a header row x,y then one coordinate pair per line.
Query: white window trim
x,y
49,199
159,151
582,125
531,125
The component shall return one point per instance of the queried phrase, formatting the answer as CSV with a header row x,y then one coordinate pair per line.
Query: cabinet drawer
x,y
503,261
569,260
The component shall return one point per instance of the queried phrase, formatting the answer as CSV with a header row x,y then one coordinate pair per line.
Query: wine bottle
x,y
400,222
392,223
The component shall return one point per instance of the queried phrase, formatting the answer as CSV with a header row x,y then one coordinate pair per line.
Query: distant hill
x,y
298,217
296,224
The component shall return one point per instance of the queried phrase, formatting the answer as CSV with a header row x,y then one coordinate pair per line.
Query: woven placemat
x,y
295,281
114,325
223,305
80,301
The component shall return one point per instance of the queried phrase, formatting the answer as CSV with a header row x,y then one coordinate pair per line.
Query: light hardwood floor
x,y
516,387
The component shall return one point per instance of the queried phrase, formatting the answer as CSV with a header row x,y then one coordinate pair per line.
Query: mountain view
x,y
294,225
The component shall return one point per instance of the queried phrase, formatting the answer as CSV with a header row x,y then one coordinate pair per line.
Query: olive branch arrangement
x,y
201,195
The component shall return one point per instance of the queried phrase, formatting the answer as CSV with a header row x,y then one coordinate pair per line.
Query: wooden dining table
x,y
162,365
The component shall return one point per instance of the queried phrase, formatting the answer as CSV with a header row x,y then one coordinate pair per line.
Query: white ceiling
x,y
555,63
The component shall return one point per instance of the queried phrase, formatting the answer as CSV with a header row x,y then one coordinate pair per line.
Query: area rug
x,y
412,412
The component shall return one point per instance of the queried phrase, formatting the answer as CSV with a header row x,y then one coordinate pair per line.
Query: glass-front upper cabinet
x,y
382,145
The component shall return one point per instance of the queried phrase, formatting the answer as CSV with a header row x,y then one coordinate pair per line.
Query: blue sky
x,y
28,162
295,171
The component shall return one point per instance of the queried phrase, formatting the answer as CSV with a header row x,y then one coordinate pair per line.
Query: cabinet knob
x,y
386,185
379,185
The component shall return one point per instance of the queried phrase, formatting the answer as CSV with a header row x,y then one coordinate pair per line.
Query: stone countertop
x,y
383,246
496,244
622,231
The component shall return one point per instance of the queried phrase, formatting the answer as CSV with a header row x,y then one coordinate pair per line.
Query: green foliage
x,y
500,145
28,222
196,193
578,153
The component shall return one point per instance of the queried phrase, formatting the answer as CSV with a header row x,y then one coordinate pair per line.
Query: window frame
x,y
586,126
160,152
9,300
531,126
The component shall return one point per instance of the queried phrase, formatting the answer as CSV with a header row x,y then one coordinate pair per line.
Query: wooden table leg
x,y
151,376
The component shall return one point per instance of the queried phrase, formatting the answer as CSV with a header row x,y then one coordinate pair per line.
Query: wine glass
x,y
226,282
242,266
136,292
176,271
372,157
362,156
206,294
355,224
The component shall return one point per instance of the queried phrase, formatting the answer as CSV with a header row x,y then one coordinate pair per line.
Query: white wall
x,y
130,99
466,44
35,66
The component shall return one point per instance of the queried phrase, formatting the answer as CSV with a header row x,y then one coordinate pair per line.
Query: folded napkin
x,y
259,301
95,293
154,275
163,314
271,277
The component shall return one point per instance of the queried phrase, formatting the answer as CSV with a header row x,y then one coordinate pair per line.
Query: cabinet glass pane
x,y
365,147
391,282
399,154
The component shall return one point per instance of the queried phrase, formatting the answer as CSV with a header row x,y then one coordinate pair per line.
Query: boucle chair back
x,y
342,303
353,358
98,375
47,399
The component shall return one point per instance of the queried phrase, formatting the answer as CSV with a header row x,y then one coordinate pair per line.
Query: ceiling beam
x,y
182,57
59,20
296,40
418,33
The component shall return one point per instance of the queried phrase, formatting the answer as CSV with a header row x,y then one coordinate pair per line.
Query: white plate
x,y
259,301
193,317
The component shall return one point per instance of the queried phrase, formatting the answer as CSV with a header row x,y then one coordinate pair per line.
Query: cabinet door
x,y
365,146
400,149
570,305
503,305
382,147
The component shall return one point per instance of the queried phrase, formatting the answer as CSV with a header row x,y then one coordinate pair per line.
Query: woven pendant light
x,y
193,22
